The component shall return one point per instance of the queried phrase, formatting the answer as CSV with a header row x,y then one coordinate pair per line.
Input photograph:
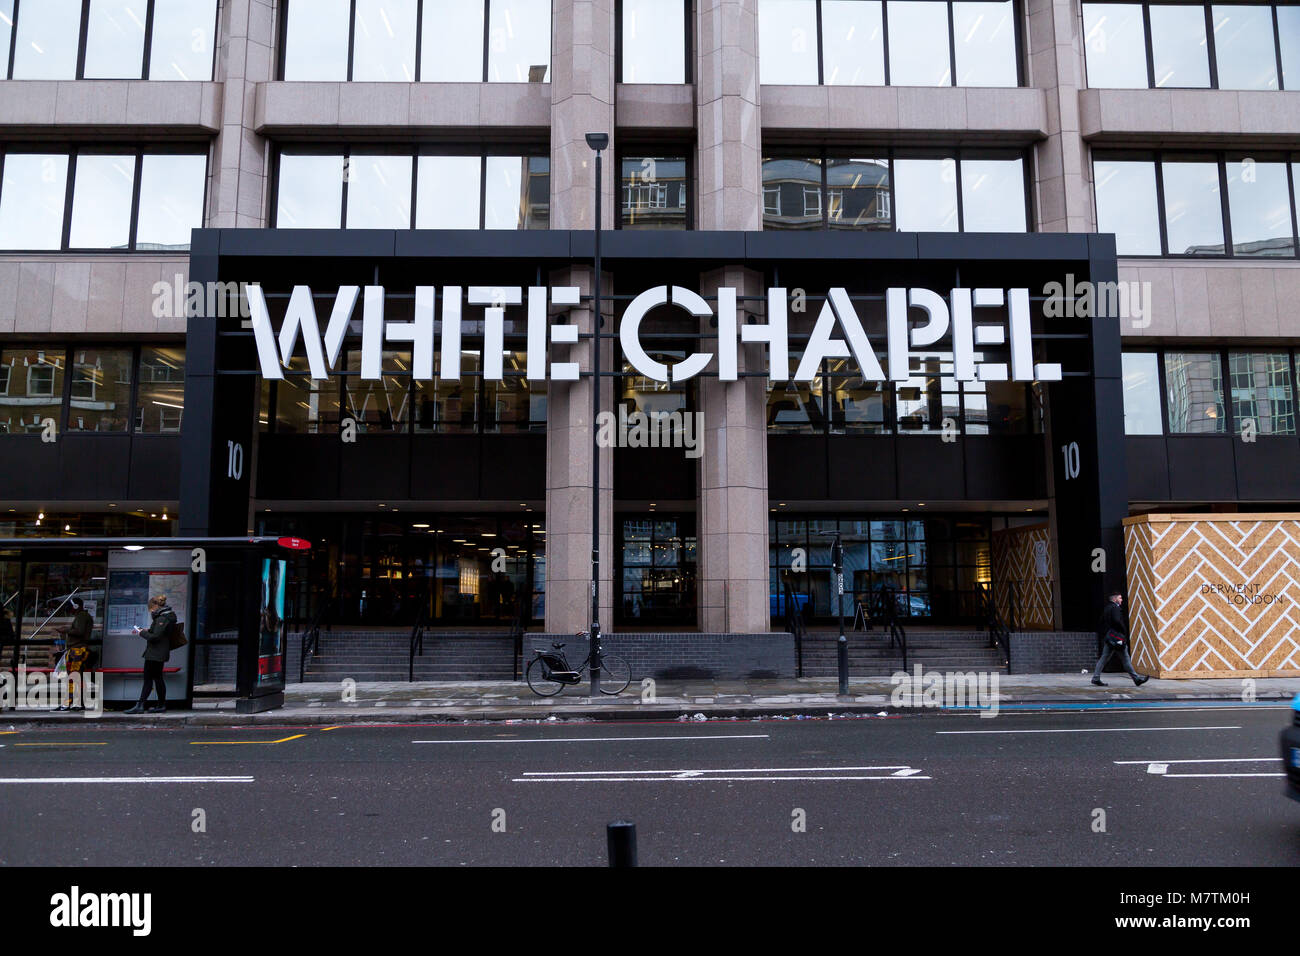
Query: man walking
x,y
1113,631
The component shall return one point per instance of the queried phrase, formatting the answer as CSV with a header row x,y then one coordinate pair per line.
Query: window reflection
x,y
853,43
1243,47
519,41
383,404
160,398
46,40
447,192
1262,396
1193,211
316,40
514,404
1115,44
100,390
858,193
6,34
984,35
309,194
171,200
31,390
1178,46
1259,208
517,192
918,43
654,41
1141,393
993,195
929,395
1194,392
926,194
792,193
379,192
787,42
1126,205
304,405
182,43
451,43
115,39
653,192
384,45
32,194
1288,31
101,202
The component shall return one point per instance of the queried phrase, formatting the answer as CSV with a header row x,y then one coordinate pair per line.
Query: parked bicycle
x,y
549,672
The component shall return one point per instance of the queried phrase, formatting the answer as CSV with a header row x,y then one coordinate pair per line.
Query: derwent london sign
x,y
953,318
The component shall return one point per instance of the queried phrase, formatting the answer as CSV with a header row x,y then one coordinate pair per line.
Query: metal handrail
x,y
794,624
417,640
309,642
999,630
897,635
517,628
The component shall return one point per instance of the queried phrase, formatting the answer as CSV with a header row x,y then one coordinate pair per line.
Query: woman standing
x,y
157,649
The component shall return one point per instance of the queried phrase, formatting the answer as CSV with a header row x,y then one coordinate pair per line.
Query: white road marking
x,y
583,773
1204,760
1179,776
699,778
1161,767
1158,768
237,779
1082,730
572,740
742,774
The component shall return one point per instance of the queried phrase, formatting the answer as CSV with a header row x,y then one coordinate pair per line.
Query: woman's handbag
x,y
177,636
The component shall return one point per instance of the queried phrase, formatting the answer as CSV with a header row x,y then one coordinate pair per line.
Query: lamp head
x,y
598,141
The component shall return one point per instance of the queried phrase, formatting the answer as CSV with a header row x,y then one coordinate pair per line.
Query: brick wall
x,y
1053,652
684,655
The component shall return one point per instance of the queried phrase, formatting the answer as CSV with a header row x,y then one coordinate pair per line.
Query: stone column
x,y
582,102
237,182
729,173
733,512
1063,183
569,475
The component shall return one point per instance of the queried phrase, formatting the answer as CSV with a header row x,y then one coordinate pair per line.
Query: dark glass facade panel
x,y
1262,392
853,43
929,396
1127,206
1115,45
31,389
306,406
115,39
1179,53
654,41
656,570
653,192
1142,393
514,404
100,391
858,407
32,195
379,405
1194,393
1193,208
792,193
997,408
1259,207
160,396
1244,47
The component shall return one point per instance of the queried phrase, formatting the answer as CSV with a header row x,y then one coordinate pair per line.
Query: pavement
x,y
451,701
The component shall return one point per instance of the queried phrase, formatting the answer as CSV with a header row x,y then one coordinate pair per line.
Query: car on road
x,y
1291,751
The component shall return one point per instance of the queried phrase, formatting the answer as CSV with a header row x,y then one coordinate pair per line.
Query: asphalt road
x,y
1186,786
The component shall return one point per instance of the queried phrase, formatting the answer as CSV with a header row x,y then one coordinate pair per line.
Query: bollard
x,y
621,839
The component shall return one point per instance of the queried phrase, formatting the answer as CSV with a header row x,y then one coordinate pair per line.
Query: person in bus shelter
x,y
157,649
77,636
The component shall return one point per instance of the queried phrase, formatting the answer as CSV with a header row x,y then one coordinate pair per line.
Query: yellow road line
x,y
335,727
225,743
98,743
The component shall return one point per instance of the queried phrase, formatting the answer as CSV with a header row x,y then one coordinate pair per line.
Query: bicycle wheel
x,y
615,674
540,682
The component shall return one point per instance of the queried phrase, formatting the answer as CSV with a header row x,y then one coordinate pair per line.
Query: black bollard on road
x,y
621,839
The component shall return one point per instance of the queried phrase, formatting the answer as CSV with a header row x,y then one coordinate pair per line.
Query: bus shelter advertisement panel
x,y
270,656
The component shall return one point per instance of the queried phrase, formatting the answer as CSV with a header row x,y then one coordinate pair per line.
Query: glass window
x,y
517,192
101,202
1193,212
1141,393
450,405
918,43
930,395
1243,47
652,192
795,407
853,43
182,43
160,399
309,194
384,44
993,195
1126,205
32,194
859,193
1259,209
857,406
100,398
519,41
786,183
654,41
6,33
1194,391
1178,48
46,41
926,192
985,39
171,200
383,404
316,40
379,192
996,408
447,192
115,39
1115,41
1288,30
33,389
787,42
451,43
1261,392
303,405
514,404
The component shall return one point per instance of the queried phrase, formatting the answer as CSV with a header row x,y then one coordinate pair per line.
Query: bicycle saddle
x,y
557,646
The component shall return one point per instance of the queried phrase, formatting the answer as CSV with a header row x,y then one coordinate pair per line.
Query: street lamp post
x,y
842,645
598,142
